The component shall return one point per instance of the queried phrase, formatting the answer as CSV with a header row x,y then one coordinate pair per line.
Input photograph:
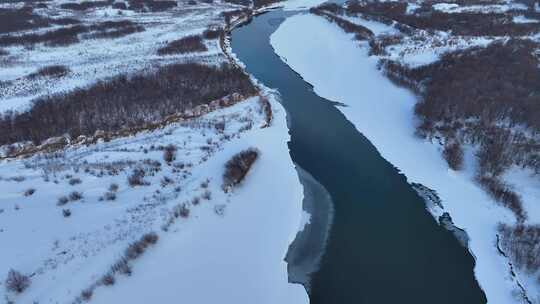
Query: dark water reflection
x,y
384,247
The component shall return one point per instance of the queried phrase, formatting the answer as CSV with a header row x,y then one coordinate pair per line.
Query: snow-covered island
x,y
358,53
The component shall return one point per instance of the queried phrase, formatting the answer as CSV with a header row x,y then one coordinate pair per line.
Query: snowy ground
x,y
340,69
229,249
93,59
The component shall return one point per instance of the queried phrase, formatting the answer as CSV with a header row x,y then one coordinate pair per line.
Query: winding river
x,y
383,246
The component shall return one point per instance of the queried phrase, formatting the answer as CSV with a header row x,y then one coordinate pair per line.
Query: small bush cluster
x,y
54,71
504,194
16,281
75,181
136,178
122,266
138,247
453,154
66,212
238,166
189,44
213,33
75,196
169,153
29,192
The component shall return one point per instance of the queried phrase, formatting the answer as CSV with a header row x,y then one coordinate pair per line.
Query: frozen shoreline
x,y
305,252
339,69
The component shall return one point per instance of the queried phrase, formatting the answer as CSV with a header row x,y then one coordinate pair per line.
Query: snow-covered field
x,y
94,59
229,249
340,69
67,217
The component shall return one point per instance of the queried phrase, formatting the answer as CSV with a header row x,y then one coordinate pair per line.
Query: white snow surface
x,y
295,5
484,8
340,69
232,256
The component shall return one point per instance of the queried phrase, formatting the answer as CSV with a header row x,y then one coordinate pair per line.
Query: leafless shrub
x,y
189,44
453,154
62,200
75,196
16,281
504,194
207,195
29,192
181,211
165,181
66,212
108,279
75,181
86,294
113,187
54,71
136,178
212,33
195,201
169,154
122,267
137,248
238,166
205,184
109,196
150,238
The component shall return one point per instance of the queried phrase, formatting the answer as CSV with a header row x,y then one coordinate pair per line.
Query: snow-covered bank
x,y
229,249
340,70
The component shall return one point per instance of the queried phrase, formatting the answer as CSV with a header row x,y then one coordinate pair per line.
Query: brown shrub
x,y
16,281
505,195
238,166
453,154
189,44
169,154
213,33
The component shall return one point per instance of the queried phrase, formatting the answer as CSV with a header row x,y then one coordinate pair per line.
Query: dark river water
x,y
383,247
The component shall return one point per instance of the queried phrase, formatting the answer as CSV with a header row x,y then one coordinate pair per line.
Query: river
x,y
383,246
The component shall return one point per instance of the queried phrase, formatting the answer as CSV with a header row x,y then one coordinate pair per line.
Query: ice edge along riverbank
x,y
307,247
341,70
